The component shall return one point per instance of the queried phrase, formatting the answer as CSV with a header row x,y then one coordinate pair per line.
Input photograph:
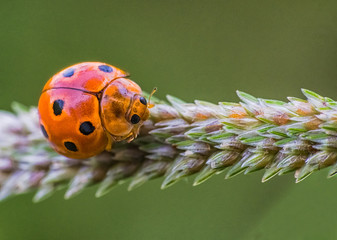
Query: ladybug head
x,y
123,109
138,110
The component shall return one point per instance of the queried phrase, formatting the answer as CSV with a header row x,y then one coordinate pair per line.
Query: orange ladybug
x,y
87,107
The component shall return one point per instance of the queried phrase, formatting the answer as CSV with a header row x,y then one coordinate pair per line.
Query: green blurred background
x,y
193,50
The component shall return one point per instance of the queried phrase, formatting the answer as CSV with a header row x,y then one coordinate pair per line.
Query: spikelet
x,y
179,139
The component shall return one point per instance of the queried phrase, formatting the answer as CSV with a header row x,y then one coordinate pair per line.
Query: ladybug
x,y
87,107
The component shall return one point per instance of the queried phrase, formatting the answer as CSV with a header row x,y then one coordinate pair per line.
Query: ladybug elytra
x,y
87,107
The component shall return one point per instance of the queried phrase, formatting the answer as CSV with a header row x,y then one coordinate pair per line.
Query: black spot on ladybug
x,y
143,100
71,146
58,106
68,73
135,119
45,134
105,68
86,128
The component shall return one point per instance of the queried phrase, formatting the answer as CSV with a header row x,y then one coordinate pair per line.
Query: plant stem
x,y
179,139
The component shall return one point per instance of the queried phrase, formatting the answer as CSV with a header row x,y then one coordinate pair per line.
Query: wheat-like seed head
x,y
179,139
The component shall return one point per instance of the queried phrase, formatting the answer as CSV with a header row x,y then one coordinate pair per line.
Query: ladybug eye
x,y
143,100
135,119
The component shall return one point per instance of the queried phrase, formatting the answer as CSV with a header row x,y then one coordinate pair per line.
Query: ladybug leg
x,y
112,139
110,143
133,134
130,137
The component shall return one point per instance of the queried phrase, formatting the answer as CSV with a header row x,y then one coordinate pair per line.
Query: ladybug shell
x,y
87,76
70,121
69,109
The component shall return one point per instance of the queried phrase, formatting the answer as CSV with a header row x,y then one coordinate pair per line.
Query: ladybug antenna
x,y
149,104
